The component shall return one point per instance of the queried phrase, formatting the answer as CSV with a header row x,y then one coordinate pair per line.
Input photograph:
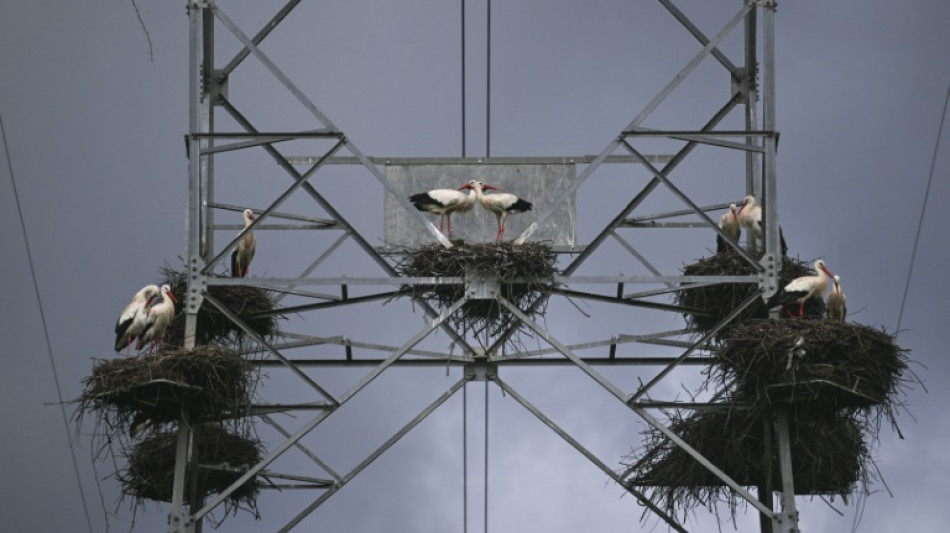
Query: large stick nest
x,y
206,382
828,454
717,301
829,364
149,471
253,305
525,272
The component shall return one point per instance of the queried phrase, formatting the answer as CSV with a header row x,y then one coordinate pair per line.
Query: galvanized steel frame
x,y
208,89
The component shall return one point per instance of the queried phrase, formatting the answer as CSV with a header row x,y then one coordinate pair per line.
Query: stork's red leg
x,y
801,309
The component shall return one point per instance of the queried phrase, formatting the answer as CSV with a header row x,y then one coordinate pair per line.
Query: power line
x,y
49,346
923,210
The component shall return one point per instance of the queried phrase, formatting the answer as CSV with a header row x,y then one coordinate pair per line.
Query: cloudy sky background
x,y
95,128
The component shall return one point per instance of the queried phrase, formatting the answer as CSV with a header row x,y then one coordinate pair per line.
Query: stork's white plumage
x,y
500,204
131,322
159,316
729,223
800,290
837,303
444,202
244,252
750,217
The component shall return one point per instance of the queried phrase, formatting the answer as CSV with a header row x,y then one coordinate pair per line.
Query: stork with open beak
x,y
131,322
800,290
500,204
750,217
244,252
159,316
728,223
444,202
837,303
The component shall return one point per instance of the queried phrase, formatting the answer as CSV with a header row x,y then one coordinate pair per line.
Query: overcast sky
x,y
95,118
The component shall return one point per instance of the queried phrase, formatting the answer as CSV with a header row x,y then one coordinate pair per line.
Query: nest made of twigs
x,y
525,274
717,301
252,305
828,454
829,364
222,457
204,382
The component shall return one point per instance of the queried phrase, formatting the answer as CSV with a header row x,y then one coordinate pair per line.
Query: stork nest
x,y
525,275
206,382
829,364
828,453
252,305
222,458
716,302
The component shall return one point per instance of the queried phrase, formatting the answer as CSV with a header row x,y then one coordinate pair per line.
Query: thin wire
x,y
49,346
465,458
486,456
923,210
463,78
488,86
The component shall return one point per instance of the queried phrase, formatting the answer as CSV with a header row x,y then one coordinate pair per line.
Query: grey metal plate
x,y
540,184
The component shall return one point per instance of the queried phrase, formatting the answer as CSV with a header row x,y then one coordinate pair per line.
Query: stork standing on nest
x,y
728,223
800,290
244,252
837,303
131,322
444,202
750,216
500,204
160,315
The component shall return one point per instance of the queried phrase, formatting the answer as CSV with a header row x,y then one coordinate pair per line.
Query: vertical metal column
x,y
772,258
196,224
787,520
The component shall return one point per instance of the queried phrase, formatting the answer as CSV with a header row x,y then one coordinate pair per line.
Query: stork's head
x,y
732,209
837,283
167,291
249,216
820,265
748,202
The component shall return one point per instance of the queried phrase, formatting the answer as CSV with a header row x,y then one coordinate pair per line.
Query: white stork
x,y
800,290
500,204
244,252
132,320
444,202
159,316
837,302
750,216
728,223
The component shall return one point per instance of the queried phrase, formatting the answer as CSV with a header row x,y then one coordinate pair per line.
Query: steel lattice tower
x,y
209,101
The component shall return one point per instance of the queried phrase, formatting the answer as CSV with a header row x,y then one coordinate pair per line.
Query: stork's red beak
x,y
830,275
466,186
171,295
489,187
149,301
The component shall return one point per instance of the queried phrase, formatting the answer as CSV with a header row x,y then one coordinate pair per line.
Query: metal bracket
x,y
481,369
480,286
217,87
201,4
768,278
197,284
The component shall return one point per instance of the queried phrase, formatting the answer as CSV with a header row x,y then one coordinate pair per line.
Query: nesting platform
x,y
205,382
828,454
525,273
829,365
252,305
221,457
717,301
